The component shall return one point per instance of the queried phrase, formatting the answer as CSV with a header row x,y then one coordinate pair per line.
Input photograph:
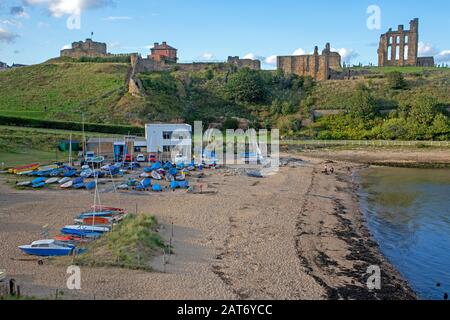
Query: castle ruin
x,y
88,48
400,48
318,66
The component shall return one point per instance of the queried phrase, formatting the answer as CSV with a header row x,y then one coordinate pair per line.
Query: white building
x,y
169,139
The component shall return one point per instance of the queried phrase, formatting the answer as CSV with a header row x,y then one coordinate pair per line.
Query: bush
x,y
70,126
246,86
396,80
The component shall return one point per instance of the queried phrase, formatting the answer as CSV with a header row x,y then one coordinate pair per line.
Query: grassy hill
x,y
63,90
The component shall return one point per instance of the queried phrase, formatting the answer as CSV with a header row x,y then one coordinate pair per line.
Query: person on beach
x,y
332,170
325,170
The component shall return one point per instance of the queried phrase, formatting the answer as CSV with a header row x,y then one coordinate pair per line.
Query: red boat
x,y
105,208
69,239
97,221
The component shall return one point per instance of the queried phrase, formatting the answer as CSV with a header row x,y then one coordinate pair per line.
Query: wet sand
x,y
294,235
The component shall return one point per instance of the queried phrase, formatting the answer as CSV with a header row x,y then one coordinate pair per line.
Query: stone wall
x,y
319,67
88,48
399,48
425,62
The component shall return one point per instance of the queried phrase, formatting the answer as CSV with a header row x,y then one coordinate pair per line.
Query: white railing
x,y
369,143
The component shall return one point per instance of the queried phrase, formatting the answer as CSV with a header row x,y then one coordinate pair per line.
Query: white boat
x,y
156,175
123,187
64,180
23,184
51,180
24,173
67,185
145,175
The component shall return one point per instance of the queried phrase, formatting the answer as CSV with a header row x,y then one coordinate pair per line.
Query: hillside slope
x,y
63,90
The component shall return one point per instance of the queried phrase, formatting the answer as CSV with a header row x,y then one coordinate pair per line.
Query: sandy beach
x,y
294,235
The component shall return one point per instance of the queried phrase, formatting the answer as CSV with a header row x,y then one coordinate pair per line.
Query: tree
x,y
423,110
396,80
231,123
361,104
246,86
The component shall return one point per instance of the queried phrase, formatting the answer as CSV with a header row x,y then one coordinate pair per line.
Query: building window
x,y
389,54
167,135
406,39
397,53
167,149
406,53
398,39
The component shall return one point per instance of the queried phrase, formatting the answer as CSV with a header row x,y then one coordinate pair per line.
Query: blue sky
x,y
32,31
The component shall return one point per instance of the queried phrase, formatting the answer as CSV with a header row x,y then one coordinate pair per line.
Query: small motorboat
x,y
157,188
24,184
48,248
67,185
84,231
51,180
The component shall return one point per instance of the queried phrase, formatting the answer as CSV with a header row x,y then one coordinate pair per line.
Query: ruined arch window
x,y
397,53
389,53
390,40
406,39
397,39
406,52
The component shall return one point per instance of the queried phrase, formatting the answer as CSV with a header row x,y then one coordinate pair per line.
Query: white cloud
x,y
250,56
67,46
207,56
427,49
11,22
117,18
272,60
59,8
443,57
114,45
299,52
346,54
7,36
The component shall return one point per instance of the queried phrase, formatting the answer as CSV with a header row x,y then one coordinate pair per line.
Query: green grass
x,y
132,244
435,82
61,91
20,146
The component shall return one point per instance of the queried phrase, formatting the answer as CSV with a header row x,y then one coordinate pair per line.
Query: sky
x,y
33,31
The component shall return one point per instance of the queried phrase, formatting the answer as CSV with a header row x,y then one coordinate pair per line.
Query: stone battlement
x,y
318,66
88,48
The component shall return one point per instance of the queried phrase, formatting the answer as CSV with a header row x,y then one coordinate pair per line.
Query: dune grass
x,y
132,244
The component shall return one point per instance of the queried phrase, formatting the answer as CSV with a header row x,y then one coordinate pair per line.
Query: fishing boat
x,y
84,231
64,180
51,180
24,184
48,248
67,185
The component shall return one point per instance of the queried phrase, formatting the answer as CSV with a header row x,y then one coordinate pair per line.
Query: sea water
x,y
408,213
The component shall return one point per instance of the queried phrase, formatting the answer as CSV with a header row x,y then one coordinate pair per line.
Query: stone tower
x,y
400,48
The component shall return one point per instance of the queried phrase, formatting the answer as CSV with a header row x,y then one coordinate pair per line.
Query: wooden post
x,y
18,291
136,212
12,287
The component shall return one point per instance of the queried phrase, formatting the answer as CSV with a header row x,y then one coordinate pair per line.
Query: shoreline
x,y
296,235
363,251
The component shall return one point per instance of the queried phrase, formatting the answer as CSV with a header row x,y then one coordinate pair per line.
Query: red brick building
x,y
163,52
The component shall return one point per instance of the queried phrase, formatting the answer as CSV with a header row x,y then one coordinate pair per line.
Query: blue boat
x,y
38,181
91,185
79,186
183,184
174,185
85,231
173,172
49,248
38,185
157,188
78,181
168,166
70,173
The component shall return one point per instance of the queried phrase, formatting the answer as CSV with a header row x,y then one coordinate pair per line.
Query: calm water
x,y
408,212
